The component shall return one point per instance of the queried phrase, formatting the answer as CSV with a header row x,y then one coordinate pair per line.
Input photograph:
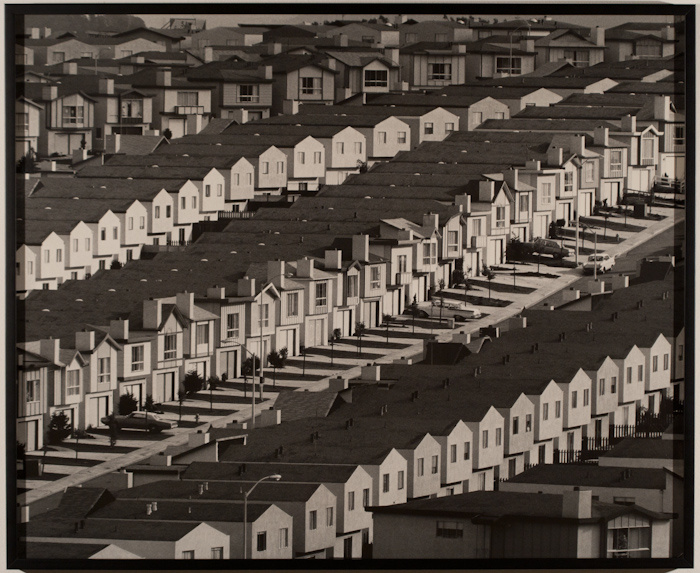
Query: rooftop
x,y
588,475
648,448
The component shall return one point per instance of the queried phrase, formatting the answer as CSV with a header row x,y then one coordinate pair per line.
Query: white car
x,y
602,262
452,305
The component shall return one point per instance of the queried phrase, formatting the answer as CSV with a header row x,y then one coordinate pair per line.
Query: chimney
x,y
431,220
511,177
487,190
341,40
577,504
275,273
668,33
598,36
337,384
216,292
49,93
35,33
465,202
392,54
331,63
371,372
268,72
276,48
533,164
163,77
459,48
49,348
149,509
119,329
198,438
360,248
185,303
601,136
527,45
270,418
555,156
106,86
629,123
70,68
333,259
305,268
246,287
662,107
577,144
85,340
152,314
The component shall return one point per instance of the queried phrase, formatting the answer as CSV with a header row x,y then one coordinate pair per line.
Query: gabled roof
x,y
552,39
286,63
297,405
360,59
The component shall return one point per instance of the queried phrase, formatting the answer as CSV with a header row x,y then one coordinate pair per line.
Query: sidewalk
x,y
350,367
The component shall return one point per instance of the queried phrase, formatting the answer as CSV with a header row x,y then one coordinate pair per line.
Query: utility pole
x,y
595,255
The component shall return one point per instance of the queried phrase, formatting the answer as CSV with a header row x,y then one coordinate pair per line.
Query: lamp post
x,y
276,477
510,54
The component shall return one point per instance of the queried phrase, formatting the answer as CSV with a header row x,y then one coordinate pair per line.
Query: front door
x,y
347,548
511,468
542,454
598,431
570,441
166,387
652,404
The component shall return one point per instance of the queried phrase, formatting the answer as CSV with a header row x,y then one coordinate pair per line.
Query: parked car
x,y
420,313
602,262
452,305
467,313
549,247
141,421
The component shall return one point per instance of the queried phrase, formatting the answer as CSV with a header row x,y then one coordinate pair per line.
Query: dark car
x,y
549,247
420,313
141,421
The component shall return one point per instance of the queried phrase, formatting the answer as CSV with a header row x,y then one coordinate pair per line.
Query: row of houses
x,y
421,431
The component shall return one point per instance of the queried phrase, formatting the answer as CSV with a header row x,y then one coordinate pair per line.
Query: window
x,y
30,267
449,529
629,375
499,436
440,71
500,217
33,387
365,497
524,203
76,245
207,190
130,226
21,120
381,137
647,155
453,453
249,93
73,383
321,294
219,189
426,253
217,552
265,167
250,178
478,117
142,223
262,541
311,86
449,127
467,448
640,373
452,241
545,411
105,371
375,278
385,483
500,115
157,214
654,363
586,397
170,346
358,147
579,58
313,523
574,399
482,482
351,500
546,193
59,255
666,361
131,109
420,467
301,157
202,334
616,163
678,135
403,263
73,114
434,464
187,98
280,167
557,409
485,439
428,128
188,554
265,314
510,66
376,79
588,171
317,157
401,480
340,147
353,284
648,48
137,353
115,231
284,537
329,516
528,423
568,182
515,425
634,540
233,325
401,137
293,304
613,384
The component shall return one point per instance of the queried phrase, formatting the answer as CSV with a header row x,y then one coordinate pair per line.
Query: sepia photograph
x,y
389,289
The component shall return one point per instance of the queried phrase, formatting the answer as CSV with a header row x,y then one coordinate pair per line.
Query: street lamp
x,y
510,34
276,477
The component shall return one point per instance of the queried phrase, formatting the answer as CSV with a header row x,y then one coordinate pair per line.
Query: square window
x,y
313,520
262,541
428,128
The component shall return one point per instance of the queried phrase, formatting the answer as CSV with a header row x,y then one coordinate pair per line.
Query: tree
x,y
414,313
167,134
26,163
248,369
359,331
457,277
212,382
180,399
148,404
21,450
387,318
115,265
127,404
193,382
59,428
277,360
302,351
335,336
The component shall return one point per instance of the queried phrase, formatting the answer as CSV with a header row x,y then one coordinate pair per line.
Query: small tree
x,y
167,134
59,428
127,404
414,313
193,382
21,451
302,351
248,369
359,331
212,382
387,318
115,265
148,404
277,360
180,399
335,336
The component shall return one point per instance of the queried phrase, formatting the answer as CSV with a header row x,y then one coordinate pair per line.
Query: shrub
x,y
148,404
127,404
59,428
193,382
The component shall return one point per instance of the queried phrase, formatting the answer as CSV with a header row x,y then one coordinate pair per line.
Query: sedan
x,y
141,421
601,262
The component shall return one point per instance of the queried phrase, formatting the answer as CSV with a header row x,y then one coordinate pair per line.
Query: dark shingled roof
x,y
253,471
648,448
572,112
58,551
588,475
111,530
563,125
195,510
297,405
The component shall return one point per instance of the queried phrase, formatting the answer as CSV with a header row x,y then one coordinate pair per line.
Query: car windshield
x,y
597,258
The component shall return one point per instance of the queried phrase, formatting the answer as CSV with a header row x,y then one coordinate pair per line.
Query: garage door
x,y
371,314
28,434
229,364
166,390
287,339
345,325
97,409
317,333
